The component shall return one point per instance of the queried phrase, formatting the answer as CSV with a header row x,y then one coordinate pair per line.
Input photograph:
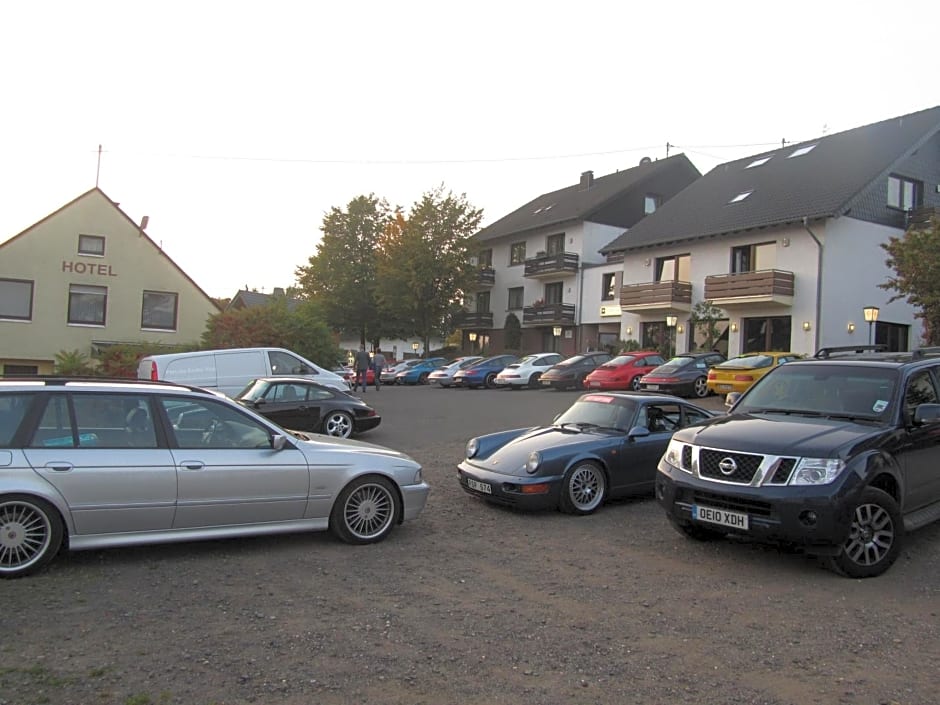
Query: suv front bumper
x,y
814,517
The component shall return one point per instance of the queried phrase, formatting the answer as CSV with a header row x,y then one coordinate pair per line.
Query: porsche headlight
x,y
473,446
817,471
532,464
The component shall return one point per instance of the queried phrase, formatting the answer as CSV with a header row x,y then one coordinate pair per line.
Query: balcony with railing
x,y
486,276
554,265
656,296
475,320
548,315
919,218
767,286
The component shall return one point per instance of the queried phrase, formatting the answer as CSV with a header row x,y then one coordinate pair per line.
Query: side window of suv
x,y
920,390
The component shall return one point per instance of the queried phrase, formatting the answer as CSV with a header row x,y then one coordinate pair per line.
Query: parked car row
x,y
834,455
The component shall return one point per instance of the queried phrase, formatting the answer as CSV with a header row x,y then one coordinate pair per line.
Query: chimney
x,y
144,222
587,180
278,291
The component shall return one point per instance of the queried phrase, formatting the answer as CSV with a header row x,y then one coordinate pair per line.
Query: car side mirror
x,y
926,414
258,402
732,399
638,432
278,441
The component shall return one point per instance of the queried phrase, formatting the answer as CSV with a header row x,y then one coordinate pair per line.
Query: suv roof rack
x,y
824,353
920,353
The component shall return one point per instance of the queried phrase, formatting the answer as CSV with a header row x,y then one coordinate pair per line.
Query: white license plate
x,y
595,384
726,387
722,517
479,486
652,387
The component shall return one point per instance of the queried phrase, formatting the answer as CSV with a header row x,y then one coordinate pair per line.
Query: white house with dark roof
x,y
787,243
542,262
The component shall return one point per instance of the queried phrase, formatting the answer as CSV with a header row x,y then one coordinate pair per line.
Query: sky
x,y
235,126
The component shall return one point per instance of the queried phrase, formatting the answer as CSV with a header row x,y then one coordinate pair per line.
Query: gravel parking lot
x,y
472,604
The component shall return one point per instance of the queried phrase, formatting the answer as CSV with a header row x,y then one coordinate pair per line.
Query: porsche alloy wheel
x,y
583,489
338,424
700,387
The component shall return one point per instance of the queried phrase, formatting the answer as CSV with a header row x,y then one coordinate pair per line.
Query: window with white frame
x,y
88,304
16,299
904,193
158,310
91,245
609,286
517,253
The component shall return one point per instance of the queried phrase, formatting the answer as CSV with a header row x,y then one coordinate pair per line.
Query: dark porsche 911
x,y
605,445
303,405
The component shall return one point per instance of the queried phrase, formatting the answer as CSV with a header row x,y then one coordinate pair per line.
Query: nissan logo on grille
x,y
727,466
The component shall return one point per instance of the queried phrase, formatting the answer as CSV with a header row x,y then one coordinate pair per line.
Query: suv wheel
x,y
30,535
875,537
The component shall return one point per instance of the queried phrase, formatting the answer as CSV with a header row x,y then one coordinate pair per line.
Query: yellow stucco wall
x,y
47,254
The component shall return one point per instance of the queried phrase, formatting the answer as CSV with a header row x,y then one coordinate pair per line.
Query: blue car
x,y
483,373
418,374
607,444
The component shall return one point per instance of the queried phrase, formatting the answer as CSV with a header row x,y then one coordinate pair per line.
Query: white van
x,y
230,371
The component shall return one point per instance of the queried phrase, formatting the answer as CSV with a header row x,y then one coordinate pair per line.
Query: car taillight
x,y
153,371
666,379
712,375
743,378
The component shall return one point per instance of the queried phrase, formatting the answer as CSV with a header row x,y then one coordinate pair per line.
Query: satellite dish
x,y
645,160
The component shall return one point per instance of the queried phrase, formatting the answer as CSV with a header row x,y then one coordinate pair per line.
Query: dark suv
x,y
838,454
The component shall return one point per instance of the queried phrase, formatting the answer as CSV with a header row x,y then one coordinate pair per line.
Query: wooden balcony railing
x,y
475,319
920,217
548,315
551,265
656,295
486,276
767,285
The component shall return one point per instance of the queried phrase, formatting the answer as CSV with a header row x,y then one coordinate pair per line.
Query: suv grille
x,y
714,465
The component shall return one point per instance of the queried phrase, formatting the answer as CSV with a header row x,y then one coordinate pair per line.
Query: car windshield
x,y
525,360
599,410
674,365
254,390
619,360
749,362
829,390
577,359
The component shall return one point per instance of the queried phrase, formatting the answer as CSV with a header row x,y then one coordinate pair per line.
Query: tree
x,y
302,330
512,332
424,268
915,259
705,318
341,276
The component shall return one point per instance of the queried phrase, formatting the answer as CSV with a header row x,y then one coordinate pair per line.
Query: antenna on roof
x,y
667,149
98,169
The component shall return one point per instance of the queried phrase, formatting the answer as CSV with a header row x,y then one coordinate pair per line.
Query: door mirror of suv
x,y
926,414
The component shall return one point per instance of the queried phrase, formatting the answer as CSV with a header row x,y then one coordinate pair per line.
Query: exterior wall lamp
x,y
851,327
807,326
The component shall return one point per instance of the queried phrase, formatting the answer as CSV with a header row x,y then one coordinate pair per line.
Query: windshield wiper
x,y
788,412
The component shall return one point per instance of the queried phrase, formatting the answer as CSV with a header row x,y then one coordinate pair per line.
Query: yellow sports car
x,y
739,373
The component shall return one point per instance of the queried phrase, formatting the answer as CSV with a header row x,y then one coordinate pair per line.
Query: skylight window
x,y
758,162
741,196
802,150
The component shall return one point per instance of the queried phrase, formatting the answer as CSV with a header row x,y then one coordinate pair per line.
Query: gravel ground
x,y
472,604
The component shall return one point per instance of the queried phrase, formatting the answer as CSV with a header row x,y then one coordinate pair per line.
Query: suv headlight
x,y
673,454
817,471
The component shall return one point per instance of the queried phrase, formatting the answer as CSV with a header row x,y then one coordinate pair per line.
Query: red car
x,y
370,376
624,371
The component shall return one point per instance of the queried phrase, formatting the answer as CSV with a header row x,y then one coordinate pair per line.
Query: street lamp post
x,y
671,325
556,334
472,336
414,346
871,315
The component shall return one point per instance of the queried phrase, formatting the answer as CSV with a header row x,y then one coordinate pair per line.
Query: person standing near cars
x,y
363,363
378,363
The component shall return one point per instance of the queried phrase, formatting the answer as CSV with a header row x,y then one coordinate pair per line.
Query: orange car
x,y
739,373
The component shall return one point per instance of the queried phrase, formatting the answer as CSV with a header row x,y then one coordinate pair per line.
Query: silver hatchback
x,y
93,464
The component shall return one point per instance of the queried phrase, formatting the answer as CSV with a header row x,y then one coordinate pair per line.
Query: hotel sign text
x,y
102,270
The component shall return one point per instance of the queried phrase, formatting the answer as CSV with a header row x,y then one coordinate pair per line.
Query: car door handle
x,y
59,466
192,465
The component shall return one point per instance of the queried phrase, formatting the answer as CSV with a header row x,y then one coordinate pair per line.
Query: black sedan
x,y
684,375
605,445
303,405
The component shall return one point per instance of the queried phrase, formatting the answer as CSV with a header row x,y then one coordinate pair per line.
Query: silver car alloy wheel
x,y
369,510
338,424
871,535
25,535
586,488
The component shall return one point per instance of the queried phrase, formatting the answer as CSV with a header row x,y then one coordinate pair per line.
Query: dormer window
x,y
741,196
903,193
802,150
651,202
91,245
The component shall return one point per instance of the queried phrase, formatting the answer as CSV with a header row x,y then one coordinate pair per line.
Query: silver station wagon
x,y
88,464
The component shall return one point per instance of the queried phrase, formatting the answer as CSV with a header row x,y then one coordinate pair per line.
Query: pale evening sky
x,y
235,126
